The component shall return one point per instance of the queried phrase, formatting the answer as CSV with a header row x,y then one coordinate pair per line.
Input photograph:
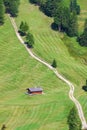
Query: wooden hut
x,y
34,90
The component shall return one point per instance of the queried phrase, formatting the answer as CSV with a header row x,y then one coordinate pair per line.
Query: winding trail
x,y
71,92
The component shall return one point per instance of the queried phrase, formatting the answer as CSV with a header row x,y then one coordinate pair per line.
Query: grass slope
x,y
71,58
19,71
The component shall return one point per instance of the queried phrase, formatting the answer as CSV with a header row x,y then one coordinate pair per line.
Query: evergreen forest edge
x,y
65,18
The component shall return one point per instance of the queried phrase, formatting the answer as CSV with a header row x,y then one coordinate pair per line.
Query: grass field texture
x,y
19,71
70,56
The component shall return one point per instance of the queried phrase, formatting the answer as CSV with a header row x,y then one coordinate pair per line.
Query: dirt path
x,y
71,92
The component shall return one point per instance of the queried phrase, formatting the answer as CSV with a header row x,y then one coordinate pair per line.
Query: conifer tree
x,y
12,7
49,7
23,28
62,17
73,25
54,64
58,16
6,3
30,40
82,39
74,6
78,9
73,120
65,19
2,11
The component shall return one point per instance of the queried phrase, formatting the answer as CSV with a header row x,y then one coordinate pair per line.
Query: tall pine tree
x,y
82,39
74,6
62,17
54,64
73,25
6,3
29,40
73,120
23,28
13,7
50,6
58,16
2,11
65,19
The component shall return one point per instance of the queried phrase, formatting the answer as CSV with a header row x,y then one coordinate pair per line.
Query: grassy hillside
x,y
19,71
71,58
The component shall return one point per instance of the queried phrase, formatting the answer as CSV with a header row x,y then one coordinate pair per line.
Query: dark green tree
x,y
42,2
12,6
58,16
54,64
50,6
38,2
82,39
23,28
21,25
85,86
2,11
74,6
33,1
6,3
62,17
73,25
73,120
30,40
78,9
65,19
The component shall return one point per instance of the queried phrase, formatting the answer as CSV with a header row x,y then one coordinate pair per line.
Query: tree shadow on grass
x,y
54,26
21,33
28,46
84,88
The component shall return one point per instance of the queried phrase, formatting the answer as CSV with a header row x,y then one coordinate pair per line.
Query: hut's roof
x,y
35,89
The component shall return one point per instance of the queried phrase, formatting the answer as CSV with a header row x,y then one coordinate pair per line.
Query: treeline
x,y
8,6
2,11
65,18
73,120
82,39
12,7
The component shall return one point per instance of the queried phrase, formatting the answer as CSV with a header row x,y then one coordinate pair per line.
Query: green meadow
x,y
19,71
49,44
